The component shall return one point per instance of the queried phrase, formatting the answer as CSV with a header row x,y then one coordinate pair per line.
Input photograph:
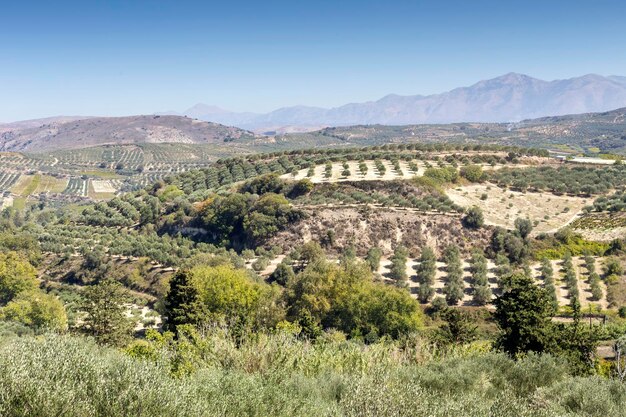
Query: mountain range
x,y
508,98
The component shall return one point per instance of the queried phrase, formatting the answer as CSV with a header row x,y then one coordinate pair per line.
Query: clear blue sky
x,y
130,57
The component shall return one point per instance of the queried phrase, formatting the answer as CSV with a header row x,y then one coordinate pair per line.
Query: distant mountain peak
x,y
201,108
508,98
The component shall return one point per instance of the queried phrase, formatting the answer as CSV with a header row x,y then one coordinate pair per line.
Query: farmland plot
x,y
103,186
584,287
501,207
77,186
370,170
7,180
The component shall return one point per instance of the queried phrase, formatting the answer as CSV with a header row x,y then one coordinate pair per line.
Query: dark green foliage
x,y
182,303
459,327
474,218
523,227
373,258
524,314
472,173
426,270
268,183
510,244
282,274
300,188
454,285
571,281
397,270
105,317
244,220
344,297
480,284
547,276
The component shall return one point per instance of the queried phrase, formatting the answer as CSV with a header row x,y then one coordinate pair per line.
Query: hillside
x,y
508,98
98,131
398,255
586,132
26,124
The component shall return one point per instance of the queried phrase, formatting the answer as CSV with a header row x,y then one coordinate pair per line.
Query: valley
x,y
323,242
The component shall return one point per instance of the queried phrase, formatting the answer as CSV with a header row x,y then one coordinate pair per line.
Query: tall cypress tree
x,y
182,303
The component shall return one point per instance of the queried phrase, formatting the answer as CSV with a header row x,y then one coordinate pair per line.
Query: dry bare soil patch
x,y
372,226
501,206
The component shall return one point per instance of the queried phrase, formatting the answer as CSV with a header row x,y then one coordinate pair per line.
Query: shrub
x,y
472,173
474,218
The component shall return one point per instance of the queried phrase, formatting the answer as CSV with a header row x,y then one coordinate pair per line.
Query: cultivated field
x,y
440,279
380,170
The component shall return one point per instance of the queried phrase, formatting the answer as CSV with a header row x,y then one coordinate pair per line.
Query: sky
x,y
107,58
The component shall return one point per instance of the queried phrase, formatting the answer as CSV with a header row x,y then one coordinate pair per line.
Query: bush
x,y
442,175
472,173
474,218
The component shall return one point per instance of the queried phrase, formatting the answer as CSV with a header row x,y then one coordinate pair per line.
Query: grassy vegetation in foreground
x,y
279,375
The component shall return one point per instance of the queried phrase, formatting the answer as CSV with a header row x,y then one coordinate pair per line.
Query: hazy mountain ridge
x,y
32,123
509,98
585,132
97,131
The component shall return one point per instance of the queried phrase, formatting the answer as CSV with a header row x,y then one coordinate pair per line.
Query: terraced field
x,y
77,186
370,170
7,180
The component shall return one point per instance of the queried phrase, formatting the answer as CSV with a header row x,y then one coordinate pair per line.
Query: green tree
x,y
454,285
182,302
547,276
228,295
268,183
426,271
523,227
37,310
523,314
594,284
459,328
302,187
474,218
397,270
480,284
104,308
373,258
223,216
472,173
269,214
282,274
16,275
344,297
613,267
